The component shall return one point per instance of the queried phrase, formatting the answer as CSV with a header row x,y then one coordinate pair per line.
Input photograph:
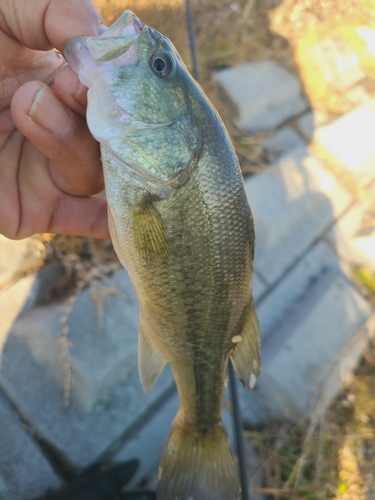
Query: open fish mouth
x,y
117,44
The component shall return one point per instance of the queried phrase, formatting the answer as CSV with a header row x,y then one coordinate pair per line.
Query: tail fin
x,y
196,466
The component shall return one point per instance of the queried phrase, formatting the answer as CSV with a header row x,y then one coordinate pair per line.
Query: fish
x,y
181,225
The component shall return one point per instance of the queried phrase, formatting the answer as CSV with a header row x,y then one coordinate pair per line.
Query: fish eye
x,y
161,64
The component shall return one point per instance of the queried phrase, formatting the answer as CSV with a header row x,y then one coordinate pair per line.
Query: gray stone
x,y
293,202
350,142
353,235
95,348
12,302
283,141
148,442
25,474
295,284
259,287
318,329
99,364
263,94
338,63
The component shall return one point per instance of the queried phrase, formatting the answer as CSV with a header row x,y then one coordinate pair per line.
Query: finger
x,y
70,90
80,216
62,136
43,24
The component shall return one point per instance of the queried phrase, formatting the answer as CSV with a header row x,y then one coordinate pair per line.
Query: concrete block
x,y
293,202
263,94
80,439
95,349
318,328
148,442
339,65
25,473
295,284
353,235
259,287
350,142
12,302
98,362
283,141
311,355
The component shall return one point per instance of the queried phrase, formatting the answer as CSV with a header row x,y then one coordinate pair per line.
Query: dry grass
x,y
340,463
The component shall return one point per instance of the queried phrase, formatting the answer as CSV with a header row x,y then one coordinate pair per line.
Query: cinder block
x,y
259,287
25,474
96,346
353,235
263,94
295,284
350,141
293,202
283,141
314,339
106,397
148,442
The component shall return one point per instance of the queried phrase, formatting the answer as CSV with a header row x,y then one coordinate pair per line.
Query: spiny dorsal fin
x,y
150,360
245,354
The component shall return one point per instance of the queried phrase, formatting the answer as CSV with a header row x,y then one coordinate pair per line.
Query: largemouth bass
x,y
182,227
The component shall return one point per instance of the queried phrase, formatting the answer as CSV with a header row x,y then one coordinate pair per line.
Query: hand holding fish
x,y
49,162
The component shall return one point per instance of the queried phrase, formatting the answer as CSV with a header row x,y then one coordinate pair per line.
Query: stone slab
x,y
283,141
293,202
80,439
350,141
295,284
12,302
100,347
259,287
263,93
318,327
25,474
353,235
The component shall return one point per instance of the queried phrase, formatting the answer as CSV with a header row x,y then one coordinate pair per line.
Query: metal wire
x,y
232,376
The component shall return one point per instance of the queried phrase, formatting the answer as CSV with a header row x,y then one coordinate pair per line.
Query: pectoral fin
x,y
150,360
246,346
150,236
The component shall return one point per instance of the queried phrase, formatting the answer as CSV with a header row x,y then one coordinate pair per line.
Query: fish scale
x,y
181,225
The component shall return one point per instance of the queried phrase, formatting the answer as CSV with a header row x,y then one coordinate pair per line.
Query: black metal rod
x,y
232,375
192,40
238,432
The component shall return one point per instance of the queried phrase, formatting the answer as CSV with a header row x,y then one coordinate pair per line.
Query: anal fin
x,y
245,354
150,360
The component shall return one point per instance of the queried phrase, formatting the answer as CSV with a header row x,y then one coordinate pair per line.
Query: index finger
x,y
44,24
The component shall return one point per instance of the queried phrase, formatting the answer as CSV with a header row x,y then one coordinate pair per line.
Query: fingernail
x,y
49,113
81,96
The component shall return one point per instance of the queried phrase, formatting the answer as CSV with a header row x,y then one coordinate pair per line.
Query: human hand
x,y
49,162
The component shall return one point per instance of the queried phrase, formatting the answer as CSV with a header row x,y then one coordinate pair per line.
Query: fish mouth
x,y
120,39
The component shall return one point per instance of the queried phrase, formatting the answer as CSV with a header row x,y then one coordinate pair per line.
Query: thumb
x,y
44,24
